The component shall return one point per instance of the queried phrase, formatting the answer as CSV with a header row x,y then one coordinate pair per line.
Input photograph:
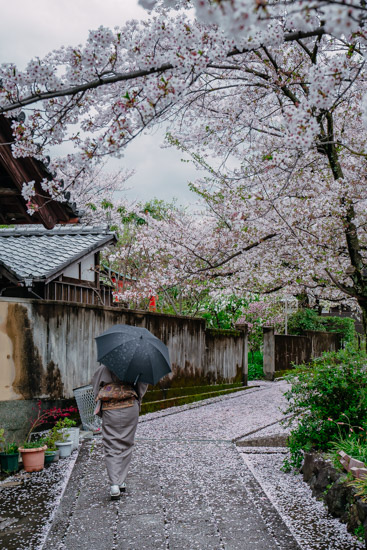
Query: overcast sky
x,y
32,28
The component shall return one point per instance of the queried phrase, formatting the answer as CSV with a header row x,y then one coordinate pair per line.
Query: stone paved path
x,y
188,488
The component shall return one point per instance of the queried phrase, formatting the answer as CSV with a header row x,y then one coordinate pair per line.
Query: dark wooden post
x,y
242,327
269,353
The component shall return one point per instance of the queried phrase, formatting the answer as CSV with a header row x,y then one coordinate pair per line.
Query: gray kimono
x,y
118,428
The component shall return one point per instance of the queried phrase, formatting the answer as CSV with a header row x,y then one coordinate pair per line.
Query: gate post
x,y
242,327
269,353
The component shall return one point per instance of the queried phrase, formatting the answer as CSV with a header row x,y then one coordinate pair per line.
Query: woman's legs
x,y
118,431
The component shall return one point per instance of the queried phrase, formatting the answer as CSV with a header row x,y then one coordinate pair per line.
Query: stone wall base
x,y
330,485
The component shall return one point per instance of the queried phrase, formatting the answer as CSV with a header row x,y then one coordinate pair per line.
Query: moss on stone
x,y
167,393
223,332
153,406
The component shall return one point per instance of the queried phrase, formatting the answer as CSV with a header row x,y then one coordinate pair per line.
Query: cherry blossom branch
x,y
106,79
344,289
238,253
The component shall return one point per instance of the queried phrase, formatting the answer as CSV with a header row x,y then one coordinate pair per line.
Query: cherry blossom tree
x,y
285,217
100,196
274,91
309,177
101,95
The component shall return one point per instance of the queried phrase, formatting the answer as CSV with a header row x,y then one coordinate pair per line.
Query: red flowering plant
x,y
47,416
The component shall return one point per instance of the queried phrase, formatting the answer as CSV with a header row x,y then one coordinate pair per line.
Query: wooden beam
x,y
4,192
49,212
9,276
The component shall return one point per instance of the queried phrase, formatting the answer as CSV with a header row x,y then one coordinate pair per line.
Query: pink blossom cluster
x,y
245,18
269,105
101,95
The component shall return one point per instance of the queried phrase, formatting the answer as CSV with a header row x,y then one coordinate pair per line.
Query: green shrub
x,y
344,325
307,319
222,312
304,319
322,396
255,372
255,365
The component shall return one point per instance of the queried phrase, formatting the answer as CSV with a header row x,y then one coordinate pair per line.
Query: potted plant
x,y
33,455
9,457
62,439
33,452
65,447
69,429
52,454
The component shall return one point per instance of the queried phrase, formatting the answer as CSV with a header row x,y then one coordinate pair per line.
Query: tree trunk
x,y
363,305
359,287
303,300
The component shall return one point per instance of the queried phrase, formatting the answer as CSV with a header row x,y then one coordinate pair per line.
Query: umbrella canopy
x,y
133,354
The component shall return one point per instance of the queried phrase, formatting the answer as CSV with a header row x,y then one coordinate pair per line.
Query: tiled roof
x,y
31,251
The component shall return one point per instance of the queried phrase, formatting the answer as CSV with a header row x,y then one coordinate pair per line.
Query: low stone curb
x,y
276,440
269,513
61,520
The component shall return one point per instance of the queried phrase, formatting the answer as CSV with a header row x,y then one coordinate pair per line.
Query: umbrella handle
x,y
137,378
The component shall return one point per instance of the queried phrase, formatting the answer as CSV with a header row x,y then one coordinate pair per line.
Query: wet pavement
x,y
191,487
197,481
28,502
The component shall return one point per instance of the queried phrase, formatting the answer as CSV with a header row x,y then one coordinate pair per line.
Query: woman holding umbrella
x,y
132,358
120,413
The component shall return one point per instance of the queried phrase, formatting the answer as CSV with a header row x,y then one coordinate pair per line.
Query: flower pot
x,y
9,462
69,434
33,459
50,457
64,447
75,432
57,455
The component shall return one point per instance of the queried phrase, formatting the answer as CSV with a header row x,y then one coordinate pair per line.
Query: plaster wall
x,y
7,370
47,348
72,271
87,269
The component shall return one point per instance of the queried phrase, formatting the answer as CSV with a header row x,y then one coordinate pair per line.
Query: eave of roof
x,y
49,212
121,276
9,273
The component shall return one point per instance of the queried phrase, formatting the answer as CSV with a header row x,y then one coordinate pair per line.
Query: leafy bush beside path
x,y
326,399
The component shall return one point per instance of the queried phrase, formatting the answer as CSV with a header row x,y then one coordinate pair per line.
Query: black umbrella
x,y
133,354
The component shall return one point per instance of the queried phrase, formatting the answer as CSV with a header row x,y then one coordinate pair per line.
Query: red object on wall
x,y
153,303
119,285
